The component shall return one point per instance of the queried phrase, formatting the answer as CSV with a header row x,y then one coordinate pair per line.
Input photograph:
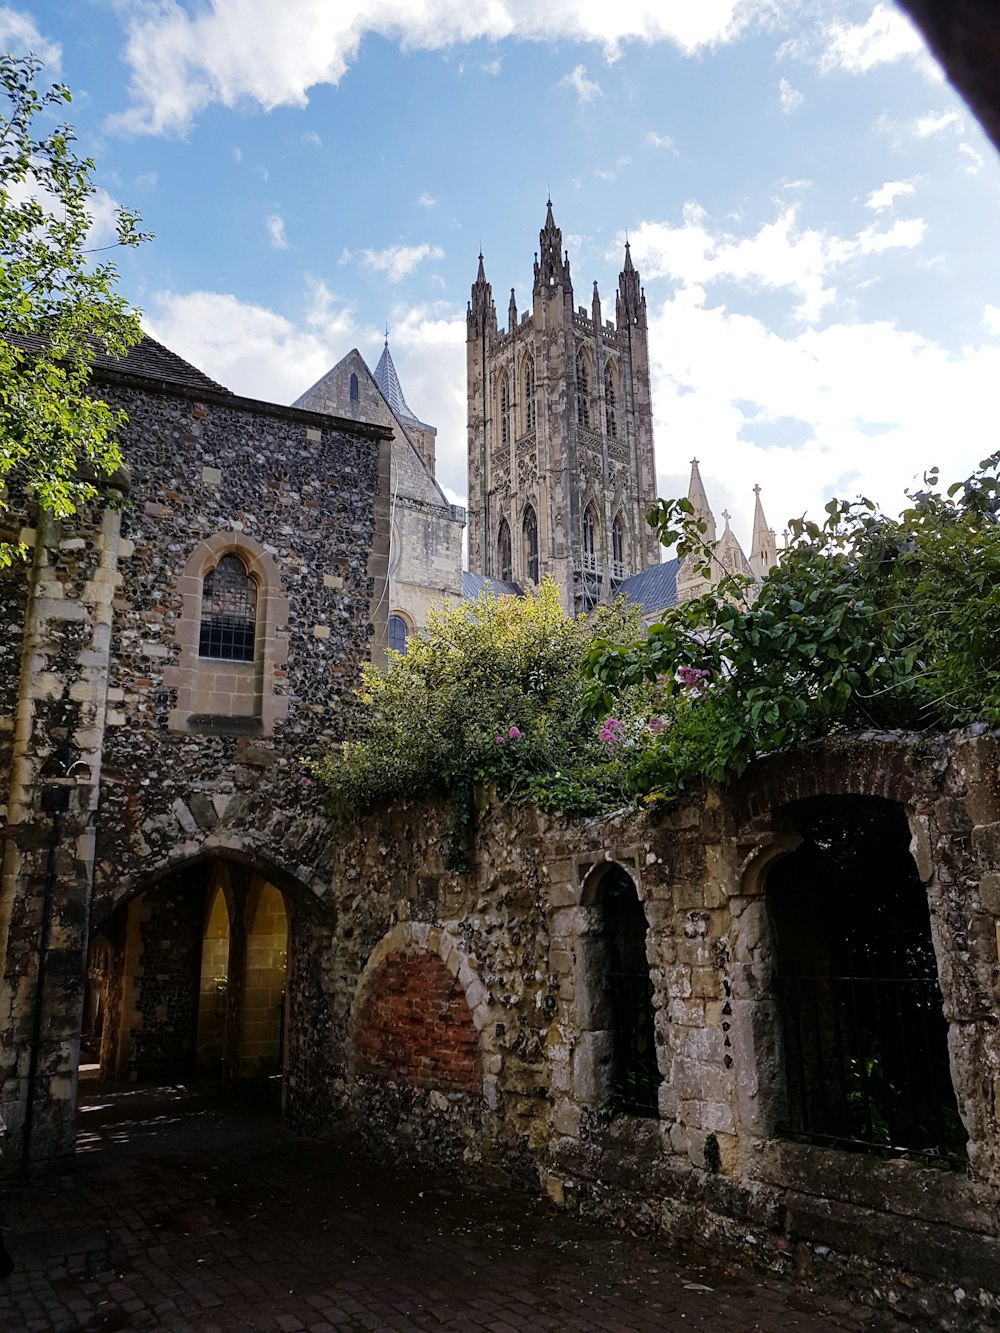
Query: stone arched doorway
x,y
194,977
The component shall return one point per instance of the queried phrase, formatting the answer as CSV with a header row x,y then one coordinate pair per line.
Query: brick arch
x,y
421,1017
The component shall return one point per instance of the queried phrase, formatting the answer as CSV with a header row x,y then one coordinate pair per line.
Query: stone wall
x,y
710,1165
120,766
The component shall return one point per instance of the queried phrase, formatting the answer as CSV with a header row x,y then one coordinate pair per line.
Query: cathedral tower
x,y
561,469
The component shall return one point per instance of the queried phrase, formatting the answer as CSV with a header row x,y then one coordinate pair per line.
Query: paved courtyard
x,y
187,1213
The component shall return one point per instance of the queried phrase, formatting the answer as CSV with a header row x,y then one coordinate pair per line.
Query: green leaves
x,y
57,308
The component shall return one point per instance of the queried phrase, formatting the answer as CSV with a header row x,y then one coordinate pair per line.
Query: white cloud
x,y
926,126
790,97
780,256
493,67
397,261
843,410
886,195
275,227
991,318
312,138
660,141
250,349
427,200
20,36
237,154
975,163
885,36
585,89
229,51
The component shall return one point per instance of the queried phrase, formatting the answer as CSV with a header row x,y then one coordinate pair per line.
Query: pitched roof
x,y
148,360
474,584
387,380
653,589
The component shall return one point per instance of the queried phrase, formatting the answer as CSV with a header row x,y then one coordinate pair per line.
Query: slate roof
x,y
653,589
148,360
474,584
387,380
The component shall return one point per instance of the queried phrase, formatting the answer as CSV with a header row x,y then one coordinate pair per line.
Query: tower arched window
x,y
504,410
618,546
610,402
505,572
531,544
228,612
354,388
582,389
589,538
529,394
397,634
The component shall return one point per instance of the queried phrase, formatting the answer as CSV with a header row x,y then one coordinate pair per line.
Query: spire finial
x,y
387,333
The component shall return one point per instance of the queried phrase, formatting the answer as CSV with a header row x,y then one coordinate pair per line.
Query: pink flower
x,y
514,733
610,732
656,724
500,740
305,782
692,678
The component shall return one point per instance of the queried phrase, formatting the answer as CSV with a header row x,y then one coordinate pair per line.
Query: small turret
x,y
699,502
595,306
482,315
551,265
630,306
764,546
512,312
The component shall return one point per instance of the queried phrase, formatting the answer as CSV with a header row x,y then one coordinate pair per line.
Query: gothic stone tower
x,y
561,468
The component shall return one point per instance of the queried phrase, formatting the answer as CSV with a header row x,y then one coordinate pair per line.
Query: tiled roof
x,y
474,584
148,360
653,589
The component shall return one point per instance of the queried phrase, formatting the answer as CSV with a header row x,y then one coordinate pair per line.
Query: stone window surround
x,y
761,1089
239,692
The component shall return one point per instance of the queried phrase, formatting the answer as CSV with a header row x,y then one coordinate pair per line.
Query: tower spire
x,y
699,502
630,305
482,315
764,545
551,264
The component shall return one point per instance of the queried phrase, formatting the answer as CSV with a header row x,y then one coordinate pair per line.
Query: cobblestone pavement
x,y
187,1213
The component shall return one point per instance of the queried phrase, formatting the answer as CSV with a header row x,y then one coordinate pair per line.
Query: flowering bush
x,y
867,621
490,692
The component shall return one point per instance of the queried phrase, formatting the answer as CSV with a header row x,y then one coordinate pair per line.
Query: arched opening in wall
x,y
505,570
618,548
590,538
864,1035
616,1064
530,533
214,983
529,393
610,401
202,984
228,612
582,388
397,633
262,1030
504,408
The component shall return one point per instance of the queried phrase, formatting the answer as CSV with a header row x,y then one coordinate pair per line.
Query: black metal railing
x,y
637,1077
866,1062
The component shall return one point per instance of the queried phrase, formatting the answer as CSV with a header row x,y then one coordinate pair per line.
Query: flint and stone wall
x,y
516,934
119,761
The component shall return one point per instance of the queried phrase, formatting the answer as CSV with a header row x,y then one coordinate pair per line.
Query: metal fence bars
x,y
866,1062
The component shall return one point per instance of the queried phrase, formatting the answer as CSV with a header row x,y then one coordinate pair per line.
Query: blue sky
x,y
812,209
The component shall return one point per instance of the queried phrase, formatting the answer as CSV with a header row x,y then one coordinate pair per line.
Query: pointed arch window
x,y
582,389
610,402
228,612
589,538
529,394
505,572
504,410
354,388
531,544
397,634
618,547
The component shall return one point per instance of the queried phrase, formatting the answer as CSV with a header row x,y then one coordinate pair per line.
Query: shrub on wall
x,y
489,692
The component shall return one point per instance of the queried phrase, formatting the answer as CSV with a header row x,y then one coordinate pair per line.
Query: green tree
x,y
58,307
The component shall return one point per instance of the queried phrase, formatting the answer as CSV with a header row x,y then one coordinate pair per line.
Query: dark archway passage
x,y
865,1038
187,980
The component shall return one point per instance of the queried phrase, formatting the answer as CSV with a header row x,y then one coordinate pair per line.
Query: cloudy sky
x,y
813,212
